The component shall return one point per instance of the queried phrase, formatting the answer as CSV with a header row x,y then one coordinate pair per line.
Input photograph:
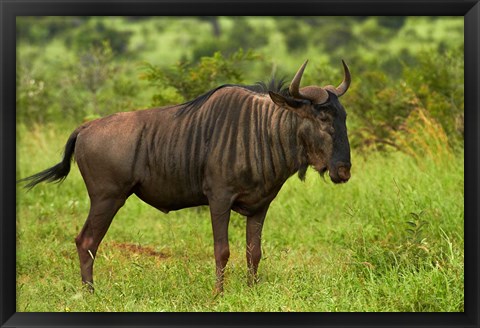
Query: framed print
x,y
235,164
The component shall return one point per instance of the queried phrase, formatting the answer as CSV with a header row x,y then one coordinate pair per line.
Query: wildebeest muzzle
x,y
340,172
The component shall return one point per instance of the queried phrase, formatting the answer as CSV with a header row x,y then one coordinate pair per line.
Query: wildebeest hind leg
x,y
102,211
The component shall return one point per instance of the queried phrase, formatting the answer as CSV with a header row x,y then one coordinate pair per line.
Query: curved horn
x,y
343,87
295,85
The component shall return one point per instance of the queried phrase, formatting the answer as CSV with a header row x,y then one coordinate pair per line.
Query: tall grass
x,y
422,136
391,239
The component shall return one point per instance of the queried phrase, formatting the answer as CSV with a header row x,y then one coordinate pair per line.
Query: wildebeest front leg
x,y
220,219
99,218
254,240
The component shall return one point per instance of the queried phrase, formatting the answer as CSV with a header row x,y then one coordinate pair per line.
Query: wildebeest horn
x,y
315,94
343,87
295,85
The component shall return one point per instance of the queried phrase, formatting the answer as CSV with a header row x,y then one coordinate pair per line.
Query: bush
x,y
437,81
422,137
33,96
186,81
432,86
243,35
91,84
95,33
291,29
379,107
42,29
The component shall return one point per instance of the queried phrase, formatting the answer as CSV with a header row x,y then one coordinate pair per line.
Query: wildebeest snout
x,y
341,172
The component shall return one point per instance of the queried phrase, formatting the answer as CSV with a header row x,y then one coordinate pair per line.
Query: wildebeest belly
x,y
166,197
251,201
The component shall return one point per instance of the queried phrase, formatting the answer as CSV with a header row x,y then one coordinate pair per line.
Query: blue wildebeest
x,y
231,148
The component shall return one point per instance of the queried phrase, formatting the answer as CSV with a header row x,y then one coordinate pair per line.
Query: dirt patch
x,y
137,249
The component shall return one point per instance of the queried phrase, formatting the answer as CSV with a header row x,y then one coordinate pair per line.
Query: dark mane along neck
x,y
259,87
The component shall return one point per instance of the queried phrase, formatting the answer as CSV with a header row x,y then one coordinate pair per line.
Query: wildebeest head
x,y
322,128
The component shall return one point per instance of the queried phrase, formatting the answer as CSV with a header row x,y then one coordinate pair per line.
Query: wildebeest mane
x,y
259,87
274,85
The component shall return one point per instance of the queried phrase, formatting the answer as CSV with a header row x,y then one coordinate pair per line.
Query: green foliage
x,y
422,136
186,80
32,96
294,40
94,66
392,22
242,34
95,33
438,83
89,83
379,107
99,76
434,84
41,29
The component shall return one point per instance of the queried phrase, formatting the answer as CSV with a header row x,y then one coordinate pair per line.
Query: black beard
x,y
302,171
322,172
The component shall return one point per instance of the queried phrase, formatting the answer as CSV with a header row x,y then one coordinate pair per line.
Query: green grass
x,y
326,247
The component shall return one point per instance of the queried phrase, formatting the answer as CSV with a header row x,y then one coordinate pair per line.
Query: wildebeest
x,y
231,148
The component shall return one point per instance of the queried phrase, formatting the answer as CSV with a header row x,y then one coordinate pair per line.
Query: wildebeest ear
x,y
284,101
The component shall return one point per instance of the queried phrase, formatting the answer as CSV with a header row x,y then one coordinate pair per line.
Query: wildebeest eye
x,y
324,117
324,108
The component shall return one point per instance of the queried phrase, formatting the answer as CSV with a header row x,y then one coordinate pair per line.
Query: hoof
x,y
88,286
218,291
252,280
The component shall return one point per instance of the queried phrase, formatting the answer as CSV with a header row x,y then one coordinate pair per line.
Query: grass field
x,y
391,239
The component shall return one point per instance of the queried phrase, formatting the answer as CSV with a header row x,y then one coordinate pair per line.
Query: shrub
x,y
422,137
42,29
95,33
428,98
437,81
91,84
33,95
242,35
186,81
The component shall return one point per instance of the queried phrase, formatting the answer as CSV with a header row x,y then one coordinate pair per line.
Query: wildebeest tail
x,y
58,172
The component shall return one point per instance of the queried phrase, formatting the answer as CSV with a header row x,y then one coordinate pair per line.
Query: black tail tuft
x,y
56,173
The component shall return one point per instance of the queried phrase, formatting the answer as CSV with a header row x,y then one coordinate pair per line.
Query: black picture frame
x,y
9,10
